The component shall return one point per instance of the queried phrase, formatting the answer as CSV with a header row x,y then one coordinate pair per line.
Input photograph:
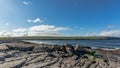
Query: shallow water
x,y
93,43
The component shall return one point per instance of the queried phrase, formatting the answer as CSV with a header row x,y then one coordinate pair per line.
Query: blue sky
x,y
60,17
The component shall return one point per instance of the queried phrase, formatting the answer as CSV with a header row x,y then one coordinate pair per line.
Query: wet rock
x,y
20,48
11,47
87,47
106,60
8,55
64,55
47,49
2,58
99,56
39,49
57,48
69,48
43,49
68,45
78,48
63,49
85,57
52,55
25,48
25,42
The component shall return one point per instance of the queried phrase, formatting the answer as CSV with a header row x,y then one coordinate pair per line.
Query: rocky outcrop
x,y
13,64
3,47
25,48
24,55
20,48
42,49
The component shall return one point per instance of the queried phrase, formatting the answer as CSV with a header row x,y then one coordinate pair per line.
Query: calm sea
x,y
93,43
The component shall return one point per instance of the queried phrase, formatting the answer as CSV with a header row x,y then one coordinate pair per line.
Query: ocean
x,y
109,44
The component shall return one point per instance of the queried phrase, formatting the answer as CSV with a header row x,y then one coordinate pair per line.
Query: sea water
x,y
110,44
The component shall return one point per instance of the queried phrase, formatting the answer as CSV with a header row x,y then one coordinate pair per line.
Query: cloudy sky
x,y
60,18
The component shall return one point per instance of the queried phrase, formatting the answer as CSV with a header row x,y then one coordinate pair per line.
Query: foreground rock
x,y
21,47
28,55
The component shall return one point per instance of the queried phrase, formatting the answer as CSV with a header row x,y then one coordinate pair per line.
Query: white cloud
x,y
5,33
112,33
29,20
35,21
25,2
7,24
47,28
43,34
86,35
92,34
110,26
40,30
20,30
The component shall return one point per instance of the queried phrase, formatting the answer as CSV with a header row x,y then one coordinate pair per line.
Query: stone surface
x,y
3,47
47,56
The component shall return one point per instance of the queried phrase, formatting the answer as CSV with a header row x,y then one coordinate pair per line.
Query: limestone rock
x,y
69,48
3,47
14,64
25,48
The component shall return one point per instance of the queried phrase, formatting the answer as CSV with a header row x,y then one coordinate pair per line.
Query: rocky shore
x,y
29,55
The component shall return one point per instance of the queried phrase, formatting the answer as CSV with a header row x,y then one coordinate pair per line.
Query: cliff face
x,y
28,55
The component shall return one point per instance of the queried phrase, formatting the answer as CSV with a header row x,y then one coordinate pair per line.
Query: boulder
x,y
47,49
25,48
57,48
63,49
43,49
78,48
70,49
52,55
3,47
11,47
20,47
87,47
8,55
81,50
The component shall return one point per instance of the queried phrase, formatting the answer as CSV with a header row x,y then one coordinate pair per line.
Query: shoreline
x,y
23,54
92,47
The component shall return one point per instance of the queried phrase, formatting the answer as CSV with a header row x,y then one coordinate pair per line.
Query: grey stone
x,y
69,48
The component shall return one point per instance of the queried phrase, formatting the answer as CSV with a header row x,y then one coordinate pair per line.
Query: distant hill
x,y
58,38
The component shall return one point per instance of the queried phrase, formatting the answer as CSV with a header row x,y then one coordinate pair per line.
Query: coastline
x,y
23,54
58,43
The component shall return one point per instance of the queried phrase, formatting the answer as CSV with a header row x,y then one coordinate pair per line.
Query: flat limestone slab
x,y
3,47
14,64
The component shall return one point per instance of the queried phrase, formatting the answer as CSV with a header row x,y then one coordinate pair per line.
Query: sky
x,y
59,18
